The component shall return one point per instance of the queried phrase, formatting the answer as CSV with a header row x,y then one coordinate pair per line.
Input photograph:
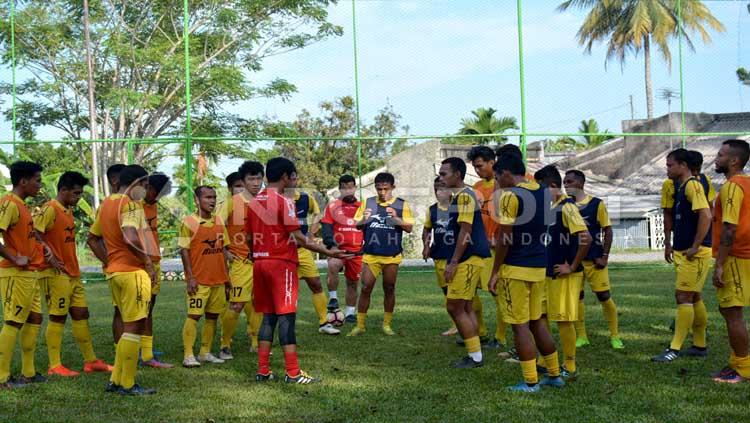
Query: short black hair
x,y
695,160
481,152
199,189
23,170
549,175
577,174
232,178
509,149
250,168
456,164
511,163
680,155
114,171
278,167
132,173
437,179
346,179
70,180
384,178
158,181
739,149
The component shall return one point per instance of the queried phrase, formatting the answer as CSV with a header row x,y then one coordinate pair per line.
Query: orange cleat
x,y
62,371
97,366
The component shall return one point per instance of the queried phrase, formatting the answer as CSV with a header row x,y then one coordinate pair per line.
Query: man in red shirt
x,y
273,234
340,230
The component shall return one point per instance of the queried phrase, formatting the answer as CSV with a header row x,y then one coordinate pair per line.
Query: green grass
x,y
406,377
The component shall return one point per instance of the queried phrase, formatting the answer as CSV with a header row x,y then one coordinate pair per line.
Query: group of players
x,y
528,240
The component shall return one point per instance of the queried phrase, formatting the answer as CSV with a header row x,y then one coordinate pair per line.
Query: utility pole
x,y
632,108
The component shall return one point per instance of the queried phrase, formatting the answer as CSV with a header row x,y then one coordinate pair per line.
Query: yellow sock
x,y
501,327
8,337
580,324
683,323
228,326
553,364
473,344
249,312
387,318
610,313
743,366
319,303
128,348
147,347
361,317
476,304
29,334
540,361
189,333
207,337
53,335
700,322
568,341
529,372
82,335
116,376
254,327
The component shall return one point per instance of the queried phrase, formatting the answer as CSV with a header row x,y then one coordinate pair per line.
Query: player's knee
x,y
286,329
14,324
195,317
236,307
34,318
389,288
603,296
314,285
212,316
58,319
79,313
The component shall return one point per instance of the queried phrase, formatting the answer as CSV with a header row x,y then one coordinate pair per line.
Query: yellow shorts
x,y
463,286
376,263
521,301
736,278
597,278
691,274
62,292
208,299
307,267
156,287
484,280
562,297
20,295
131,293
241,277
440,272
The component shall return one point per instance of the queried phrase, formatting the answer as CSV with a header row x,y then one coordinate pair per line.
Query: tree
x,y
743,75
485,122
591,137
632,26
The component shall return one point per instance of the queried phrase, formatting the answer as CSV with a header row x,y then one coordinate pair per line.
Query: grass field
x,y
405,377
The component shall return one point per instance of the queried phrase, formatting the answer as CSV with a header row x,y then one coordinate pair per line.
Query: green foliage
x,y
743,75
591,138
484,121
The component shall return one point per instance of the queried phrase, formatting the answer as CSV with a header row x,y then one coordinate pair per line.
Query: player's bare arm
x,y
133,240
18,260
728,234
668,225
49,256
426,242
464,239
96,244
192,283
584,244
405,226
704,224
603,261
501,250
304,242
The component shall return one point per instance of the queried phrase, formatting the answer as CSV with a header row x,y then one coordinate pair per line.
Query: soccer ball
x,y
335,317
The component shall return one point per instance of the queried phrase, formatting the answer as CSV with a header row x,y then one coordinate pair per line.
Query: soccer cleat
x,y
226,354
333,304
301,379
157,353
356,331
112,387
388,331
512,356
350,319
494,344
667,356
37,378
553,381
62,371
450,332
541,370
97,366
190,362
730,377
723,372
567,375
12,383
156,364
524,387
484,339
136,390
616,343
582,342
694,351
328,329
210,358
260,377
467,363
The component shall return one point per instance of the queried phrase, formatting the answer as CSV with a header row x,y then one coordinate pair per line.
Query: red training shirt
x,y
270,221
345,232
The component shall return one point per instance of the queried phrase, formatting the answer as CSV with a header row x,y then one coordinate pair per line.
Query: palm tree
x,y
743,74
629,26
592,137
485,122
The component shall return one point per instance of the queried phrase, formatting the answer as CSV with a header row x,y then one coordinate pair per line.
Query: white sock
x,y
476,356
333,295
349,310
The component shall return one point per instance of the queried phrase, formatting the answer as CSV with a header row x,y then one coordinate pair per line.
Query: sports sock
x,y
700,323
529,372
264,359
128,347
350,310
387,318
116,376
253,325
476,304
147,347
580,324
540,361
333,295
319,303
228,326
189,333
207,336
82,335
610,313
29,334
473,348
8,337
553,364
683,323
291,363
568,340
500,326
743,366
53,335
361,318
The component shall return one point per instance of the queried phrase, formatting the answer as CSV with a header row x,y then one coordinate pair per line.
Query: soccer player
x,y
22,257
116,240
308,213
60,277
436,234
595,270
731,248
159,185
233,213
113,177
568,243
466,257
519,270
235,184
483,158
203,239
339,230
272,229
383,220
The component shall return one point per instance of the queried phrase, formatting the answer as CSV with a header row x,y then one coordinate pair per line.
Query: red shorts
x,y
275,286
352,268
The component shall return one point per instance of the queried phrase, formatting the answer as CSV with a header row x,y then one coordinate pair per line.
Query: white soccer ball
x,y
336,317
